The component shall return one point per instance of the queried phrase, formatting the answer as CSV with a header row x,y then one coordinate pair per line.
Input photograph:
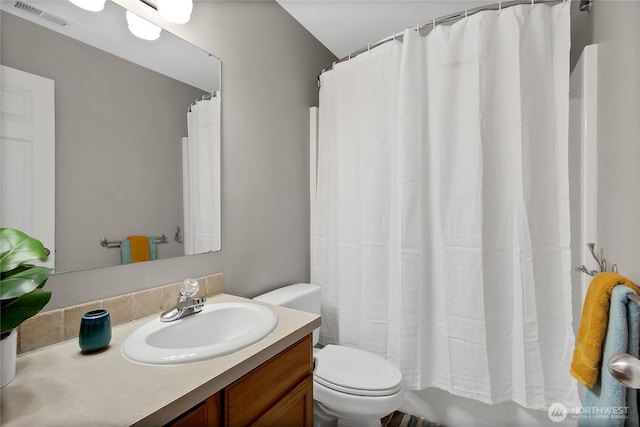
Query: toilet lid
x,y
354,371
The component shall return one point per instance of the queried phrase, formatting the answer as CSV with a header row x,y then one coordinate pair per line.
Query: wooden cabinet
x,y
294,409
277,393
206,414
258,391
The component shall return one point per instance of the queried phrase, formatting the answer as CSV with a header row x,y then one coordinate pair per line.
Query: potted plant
x,y
21,295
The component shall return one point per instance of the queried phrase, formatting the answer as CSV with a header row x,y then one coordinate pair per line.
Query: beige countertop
x,y
59,386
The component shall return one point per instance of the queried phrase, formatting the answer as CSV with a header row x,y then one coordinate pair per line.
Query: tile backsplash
x,y
50,327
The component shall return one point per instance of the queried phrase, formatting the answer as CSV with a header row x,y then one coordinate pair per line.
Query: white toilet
x,y
352,386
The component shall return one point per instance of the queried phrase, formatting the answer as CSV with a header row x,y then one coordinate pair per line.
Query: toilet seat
x,y
356,372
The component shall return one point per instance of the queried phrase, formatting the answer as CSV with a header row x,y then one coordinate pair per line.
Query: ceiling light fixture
x,y
176,11
90,5
142,28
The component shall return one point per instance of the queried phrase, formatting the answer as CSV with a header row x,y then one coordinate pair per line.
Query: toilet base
x,y
335,404
323,417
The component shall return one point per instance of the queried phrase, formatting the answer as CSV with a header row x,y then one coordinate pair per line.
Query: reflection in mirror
x,y
130,138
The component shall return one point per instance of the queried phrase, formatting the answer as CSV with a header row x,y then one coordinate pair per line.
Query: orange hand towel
x,y
139,248
587,356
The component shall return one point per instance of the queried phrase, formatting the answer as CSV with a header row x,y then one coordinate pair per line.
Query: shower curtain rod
x,y
585,6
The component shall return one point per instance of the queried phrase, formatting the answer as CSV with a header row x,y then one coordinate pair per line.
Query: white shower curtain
x,y
201,177
441,235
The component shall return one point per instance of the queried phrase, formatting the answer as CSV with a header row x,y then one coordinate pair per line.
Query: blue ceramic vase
x,y
95,331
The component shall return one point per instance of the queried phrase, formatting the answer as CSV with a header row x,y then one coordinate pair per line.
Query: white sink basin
x,y
217,330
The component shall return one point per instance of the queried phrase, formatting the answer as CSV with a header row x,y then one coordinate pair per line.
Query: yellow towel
x,y
587,355
139,248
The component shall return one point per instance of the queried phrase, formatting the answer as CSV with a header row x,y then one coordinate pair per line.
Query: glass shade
x,y
176,11
142,28
90,5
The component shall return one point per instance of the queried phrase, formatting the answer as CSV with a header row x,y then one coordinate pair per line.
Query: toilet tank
x,y
301,296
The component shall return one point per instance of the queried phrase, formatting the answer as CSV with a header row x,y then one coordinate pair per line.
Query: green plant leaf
x,y
17,248
16,311
14,287
27,278
24,281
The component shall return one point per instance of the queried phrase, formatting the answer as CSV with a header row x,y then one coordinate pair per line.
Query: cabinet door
x,y
206,414
259,391
295,409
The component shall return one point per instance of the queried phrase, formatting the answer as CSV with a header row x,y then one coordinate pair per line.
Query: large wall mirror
x,y
137,132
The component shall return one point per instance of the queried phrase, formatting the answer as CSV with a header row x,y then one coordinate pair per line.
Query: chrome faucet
x,y
186,305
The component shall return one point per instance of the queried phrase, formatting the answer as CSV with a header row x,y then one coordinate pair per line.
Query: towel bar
x,y
635,298
106,243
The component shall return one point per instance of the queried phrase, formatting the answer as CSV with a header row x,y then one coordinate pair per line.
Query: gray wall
x,y
581,32
118,155
269,69
616,28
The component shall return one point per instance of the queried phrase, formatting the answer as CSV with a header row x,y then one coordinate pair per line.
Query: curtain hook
x,y
499,7
369,47
394,36
466,14
434,23
532,4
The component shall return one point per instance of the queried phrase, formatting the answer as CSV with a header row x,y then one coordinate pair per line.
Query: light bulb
x,y
90,5
176,11
142,28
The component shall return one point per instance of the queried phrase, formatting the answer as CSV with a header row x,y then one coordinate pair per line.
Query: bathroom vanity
x,y
266,383
278,392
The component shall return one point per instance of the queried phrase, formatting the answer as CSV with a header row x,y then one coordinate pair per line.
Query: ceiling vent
x,y
32,10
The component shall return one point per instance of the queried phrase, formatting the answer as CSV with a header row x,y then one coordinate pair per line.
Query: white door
x,y
27,156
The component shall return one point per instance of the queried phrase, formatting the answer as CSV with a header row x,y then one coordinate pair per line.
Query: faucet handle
x,y
198,303
190,287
